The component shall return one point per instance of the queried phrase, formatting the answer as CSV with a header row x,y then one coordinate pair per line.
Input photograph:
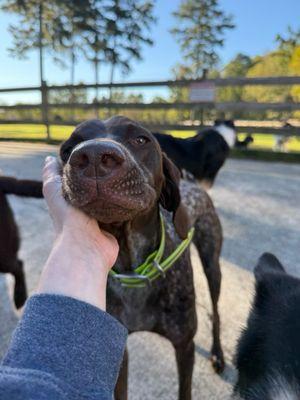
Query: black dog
x,y
116,172
9,235
268,353
202,155
243,144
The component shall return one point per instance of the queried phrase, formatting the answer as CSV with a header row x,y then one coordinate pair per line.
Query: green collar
x,y
153,267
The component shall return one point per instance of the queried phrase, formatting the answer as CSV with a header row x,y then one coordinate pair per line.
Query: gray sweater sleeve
x,y
62,348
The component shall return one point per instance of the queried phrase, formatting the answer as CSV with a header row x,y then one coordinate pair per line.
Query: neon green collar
x,y
153,267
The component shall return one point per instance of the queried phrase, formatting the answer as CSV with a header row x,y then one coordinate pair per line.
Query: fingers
x,y
51,170
51,176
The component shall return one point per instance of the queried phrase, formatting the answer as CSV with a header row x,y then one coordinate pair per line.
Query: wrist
x,y
75,269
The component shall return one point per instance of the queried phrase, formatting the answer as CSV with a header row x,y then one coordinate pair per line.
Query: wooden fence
x,y
45,106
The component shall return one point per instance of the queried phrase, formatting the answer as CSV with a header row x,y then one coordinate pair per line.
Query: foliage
x,y
200,29
60,32
238,67
288,42
113,31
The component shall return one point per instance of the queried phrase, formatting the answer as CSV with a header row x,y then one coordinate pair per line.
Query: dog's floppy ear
x,y
267,263
170,197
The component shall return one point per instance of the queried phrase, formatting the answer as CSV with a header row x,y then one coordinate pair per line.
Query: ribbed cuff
x,y
78,343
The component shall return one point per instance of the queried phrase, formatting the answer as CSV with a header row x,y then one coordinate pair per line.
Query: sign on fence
x,y
202,92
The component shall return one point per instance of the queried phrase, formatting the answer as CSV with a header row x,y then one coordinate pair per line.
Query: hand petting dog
x,y
82,254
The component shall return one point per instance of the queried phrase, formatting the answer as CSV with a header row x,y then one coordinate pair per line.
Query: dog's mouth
x,y
114,198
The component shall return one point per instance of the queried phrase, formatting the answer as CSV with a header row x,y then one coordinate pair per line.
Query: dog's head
x,y
115,171
229,123
226,129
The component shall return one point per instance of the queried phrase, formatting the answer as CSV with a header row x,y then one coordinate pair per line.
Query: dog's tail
x,y
21,187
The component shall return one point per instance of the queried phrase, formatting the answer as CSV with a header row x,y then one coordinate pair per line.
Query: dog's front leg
x,y
121,390
185,356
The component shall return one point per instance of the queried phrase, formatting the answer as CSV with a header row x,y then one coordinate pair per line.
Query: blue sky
x,y
257,23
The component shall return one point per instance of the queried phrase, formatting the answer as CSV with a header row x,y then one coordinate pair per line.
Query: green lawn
x,y
27,131
261,141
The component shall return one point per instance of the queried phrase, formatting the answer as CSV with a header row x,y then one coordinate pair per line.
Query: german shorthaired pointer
x,y
116,172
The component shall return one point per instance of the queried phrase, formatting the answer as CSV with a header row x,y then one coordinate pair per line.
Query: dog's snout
x,y
97,159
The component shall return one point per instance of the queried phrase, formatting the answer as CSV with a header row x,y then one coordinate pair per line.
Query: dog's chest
x,y
166,300
167,303
132,306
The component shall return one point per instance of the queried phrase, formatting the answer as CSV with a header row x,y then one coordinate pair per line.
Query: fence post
x,y
44,92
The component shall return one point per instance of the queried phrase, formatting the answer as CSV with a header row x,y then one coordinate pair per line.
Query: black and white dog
x,y
204,154
244,143
268,352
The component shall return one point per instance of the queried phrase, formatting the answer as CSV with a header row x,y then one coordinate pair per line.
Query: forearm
x,y
64,344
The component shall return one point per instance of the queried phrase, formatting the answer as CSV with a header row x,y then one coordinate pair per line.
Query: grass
x,y
59,133
34,132
261,141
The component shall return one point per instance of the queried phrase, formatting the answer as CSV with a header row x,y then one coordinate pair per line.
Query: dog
x,y
115,172
204,154
268,351
281,141
243,144
9,233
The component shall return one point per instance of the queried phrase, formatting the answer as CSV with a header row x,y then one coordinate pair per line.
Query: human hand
x,y
82,253
71,221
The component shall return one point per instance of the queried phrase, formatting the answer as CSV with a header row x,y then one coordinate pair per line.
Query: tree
x,y
289,48
116,32
28,33
56,30
288,42
200,29
128,28
238,67
69,30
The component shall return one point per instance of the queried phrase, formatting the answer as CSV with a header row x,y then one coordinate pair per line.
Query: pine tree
x,y
118,31
50,26
200,29
128,31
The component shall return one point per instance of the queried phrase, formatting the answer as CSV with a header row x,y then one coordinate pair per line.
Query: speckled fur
x,y
167,306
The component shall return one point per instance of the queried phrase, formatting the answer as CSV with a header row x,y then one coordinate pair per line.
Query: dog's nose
x,y
98,158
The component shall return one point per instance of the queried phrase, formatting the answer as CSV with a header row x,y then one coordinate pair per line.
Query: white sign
x,y
202,92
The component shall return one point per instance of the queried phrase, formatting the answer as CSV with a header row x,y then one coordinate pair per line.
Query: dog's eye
x,y
141,140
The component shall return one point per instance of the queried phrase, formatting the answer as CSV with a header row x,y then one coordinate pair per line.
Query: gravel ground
x,y
258,204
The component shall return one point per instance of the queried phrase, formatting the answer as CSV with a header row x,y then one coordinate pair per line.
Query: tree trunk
x,y
112,72
41,55
44,93
72,66
96,67
72,97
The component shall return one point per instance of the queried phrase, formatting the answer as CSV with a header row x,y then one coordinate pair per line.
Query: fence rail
x,y
224,106
220,82
266,130
45,106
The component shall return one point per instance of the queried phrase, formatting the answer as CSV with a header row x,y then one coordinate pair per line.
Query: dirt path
x,y
259,207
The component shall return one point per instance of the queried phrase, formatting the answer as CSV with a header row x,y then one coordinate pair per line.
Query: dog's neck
x,y
137,239
227,133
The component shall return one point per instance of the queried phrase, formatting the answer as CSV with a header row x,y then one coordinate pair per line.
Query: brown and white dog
x,y
116,172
